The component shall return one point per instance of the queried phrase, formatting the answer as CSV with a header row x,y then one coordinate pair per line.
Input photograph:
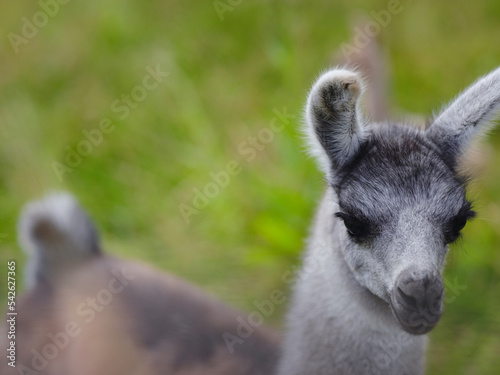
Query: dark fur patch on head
x,y
398,168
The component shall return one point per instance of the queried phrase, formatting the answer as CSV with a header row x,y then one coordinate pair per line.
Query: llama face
x,y
397,190
401,206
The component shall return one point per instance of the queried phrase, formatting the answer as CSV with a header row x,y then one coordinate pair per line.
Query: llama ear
x,y
469,115
334,123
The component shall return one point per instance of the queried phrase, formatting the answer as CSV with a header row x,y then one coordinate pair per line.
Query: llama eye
x,y
454,227
459,224
356,228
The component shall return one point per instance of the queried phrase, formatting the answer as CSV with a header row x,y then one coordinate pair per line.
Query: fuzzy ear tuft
x,y
56,233
469,115
334,124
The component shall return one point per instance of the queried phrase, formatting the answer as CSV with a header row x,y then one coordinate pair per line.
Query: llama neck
x,y
336,325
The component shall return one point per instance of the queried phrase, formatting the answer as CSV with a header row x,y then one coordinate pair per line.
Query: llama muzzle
x,y
417,300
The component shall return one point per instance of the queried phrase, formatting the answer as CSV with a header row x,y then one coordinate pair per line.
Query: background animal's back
x,y
115,317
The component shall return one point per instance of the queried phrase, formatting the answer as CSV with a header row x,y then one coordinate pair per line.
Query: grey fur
x,y
336,130
129,318
469,115
371,286
55,232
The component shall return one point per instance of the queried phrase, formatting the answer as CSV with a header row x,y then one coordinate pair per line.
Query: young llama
x,y
371,286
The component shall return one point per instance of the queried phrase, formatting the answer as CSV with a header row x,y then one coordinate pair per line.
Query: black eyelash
x,y
357,228
453,228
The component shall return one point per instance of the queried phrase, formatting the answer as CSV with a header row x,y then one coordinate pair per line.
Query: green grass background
x,y
225,79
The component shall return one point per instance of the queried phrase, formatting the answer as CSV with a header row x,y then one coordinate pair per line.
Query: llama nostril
x,y
409,300
426,282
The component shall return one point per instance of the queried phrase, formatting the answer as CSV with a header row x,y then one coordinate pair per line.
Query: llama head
x,y
400,200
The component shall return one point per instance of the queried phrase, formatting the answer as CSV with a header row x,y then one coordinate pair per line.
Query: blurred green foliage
x,y
225,78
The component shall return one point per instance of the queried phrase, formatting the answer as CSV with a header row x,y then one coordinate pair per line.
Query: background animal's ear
x,y
469,115
334,124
